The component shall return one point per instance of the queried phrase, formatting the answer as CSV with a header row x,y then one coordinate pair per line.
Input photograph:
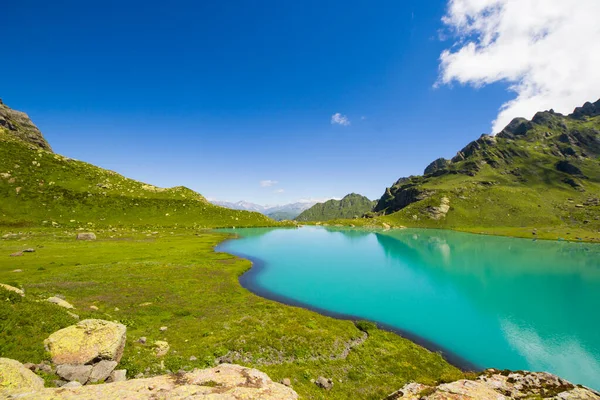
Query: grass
x,y
177,280
40,188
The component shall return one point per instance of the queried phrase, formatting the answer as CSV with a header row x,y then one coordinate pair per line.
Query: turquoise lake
x,y
493,302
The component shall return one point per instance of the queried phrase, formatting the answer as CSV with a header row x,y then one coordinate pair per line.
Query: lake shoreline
x,y
248,280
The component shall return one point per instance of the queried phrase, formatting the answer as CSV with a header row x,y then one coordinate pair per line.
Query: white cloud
x,y
278,191
318,199
339,119
268,183
547,50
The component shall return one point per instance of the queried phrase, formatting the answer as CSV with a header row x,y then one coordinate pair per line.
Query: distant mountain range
x,y
278,212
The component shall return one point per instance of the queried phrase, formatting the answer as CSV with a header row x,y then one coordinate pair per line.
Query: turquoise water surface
x,y
492,301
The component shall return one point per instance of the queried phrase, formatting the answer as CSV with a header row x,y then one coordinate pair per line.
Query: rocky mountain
x,y
278,212
18,124
39,187
351,206
539,172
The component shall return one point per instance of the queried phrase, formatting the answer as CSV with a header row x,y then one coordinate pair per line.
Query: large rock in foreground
x,y
16,379
89,341
226,381
499,385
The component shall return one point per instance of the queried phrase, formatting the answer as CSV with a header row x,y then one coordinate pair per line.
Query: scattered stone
x,y
12,289
17,254
30,366
142,340
193,358
94,308
324,383
494,385
161,348
45,367
145,304
74,372
163,328
441,211
118,375
102,370
287,382
29,251
16,379
60,302
73,315
117,309
17,270
87,341
72,384
86,236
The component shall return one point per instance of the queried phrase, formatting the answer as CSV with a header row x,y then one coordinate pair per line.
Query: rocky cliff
x,y
18,124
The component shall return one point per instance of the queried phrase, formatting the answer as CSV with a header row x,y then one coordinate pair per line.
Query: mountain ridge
x,y
350,206
543,172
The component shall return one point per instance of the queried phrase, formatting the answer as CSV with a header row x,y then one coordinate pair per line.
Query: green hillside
x,y
535,178
41,188
352,206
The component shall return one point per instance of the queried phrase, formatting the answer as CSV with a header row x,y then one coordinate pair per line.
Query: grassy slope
x,y
195,293
38,187
351,206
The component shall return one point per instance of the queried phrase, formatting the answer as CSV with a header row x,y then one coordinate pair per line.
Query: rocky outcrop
x,y
89,341
439,212
227,381
401,195
436,166
588,110
18,124
499,385
15,379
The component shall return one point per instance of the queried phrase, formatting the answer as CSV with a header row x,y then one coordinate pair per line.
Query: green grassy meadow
x,y
178,281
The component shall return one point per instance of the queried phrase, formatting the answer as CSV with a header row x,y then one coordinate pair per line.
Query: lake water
x,y
485,301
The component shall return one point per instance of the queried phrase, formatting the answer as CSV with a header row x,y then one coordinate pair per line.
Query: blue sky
x,y
219,96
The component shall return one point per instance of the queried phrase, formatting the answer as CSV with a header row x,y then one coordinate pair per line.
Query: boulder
x,y
74,372
324,383
12,289
224,382
102,370
16,379
88,341
86,236
118,375
17,254
60,302
161,348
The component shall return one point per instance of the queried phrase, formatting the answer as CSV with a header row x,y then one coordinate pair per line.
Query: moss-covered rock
x,y
16,379
88,341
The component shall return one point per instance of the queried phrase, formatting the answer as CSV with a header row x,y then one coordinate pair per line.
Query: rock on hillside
x,y
351,206
18,124
89,340
227,381
499,385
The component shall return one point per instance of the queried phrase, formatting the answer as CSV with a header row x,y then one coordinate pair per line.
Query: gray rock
x,y
193,358
118,375
17,254
71,372
102,370
142,340
86,236
287,382
324,383
29,251
163,328
60,302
